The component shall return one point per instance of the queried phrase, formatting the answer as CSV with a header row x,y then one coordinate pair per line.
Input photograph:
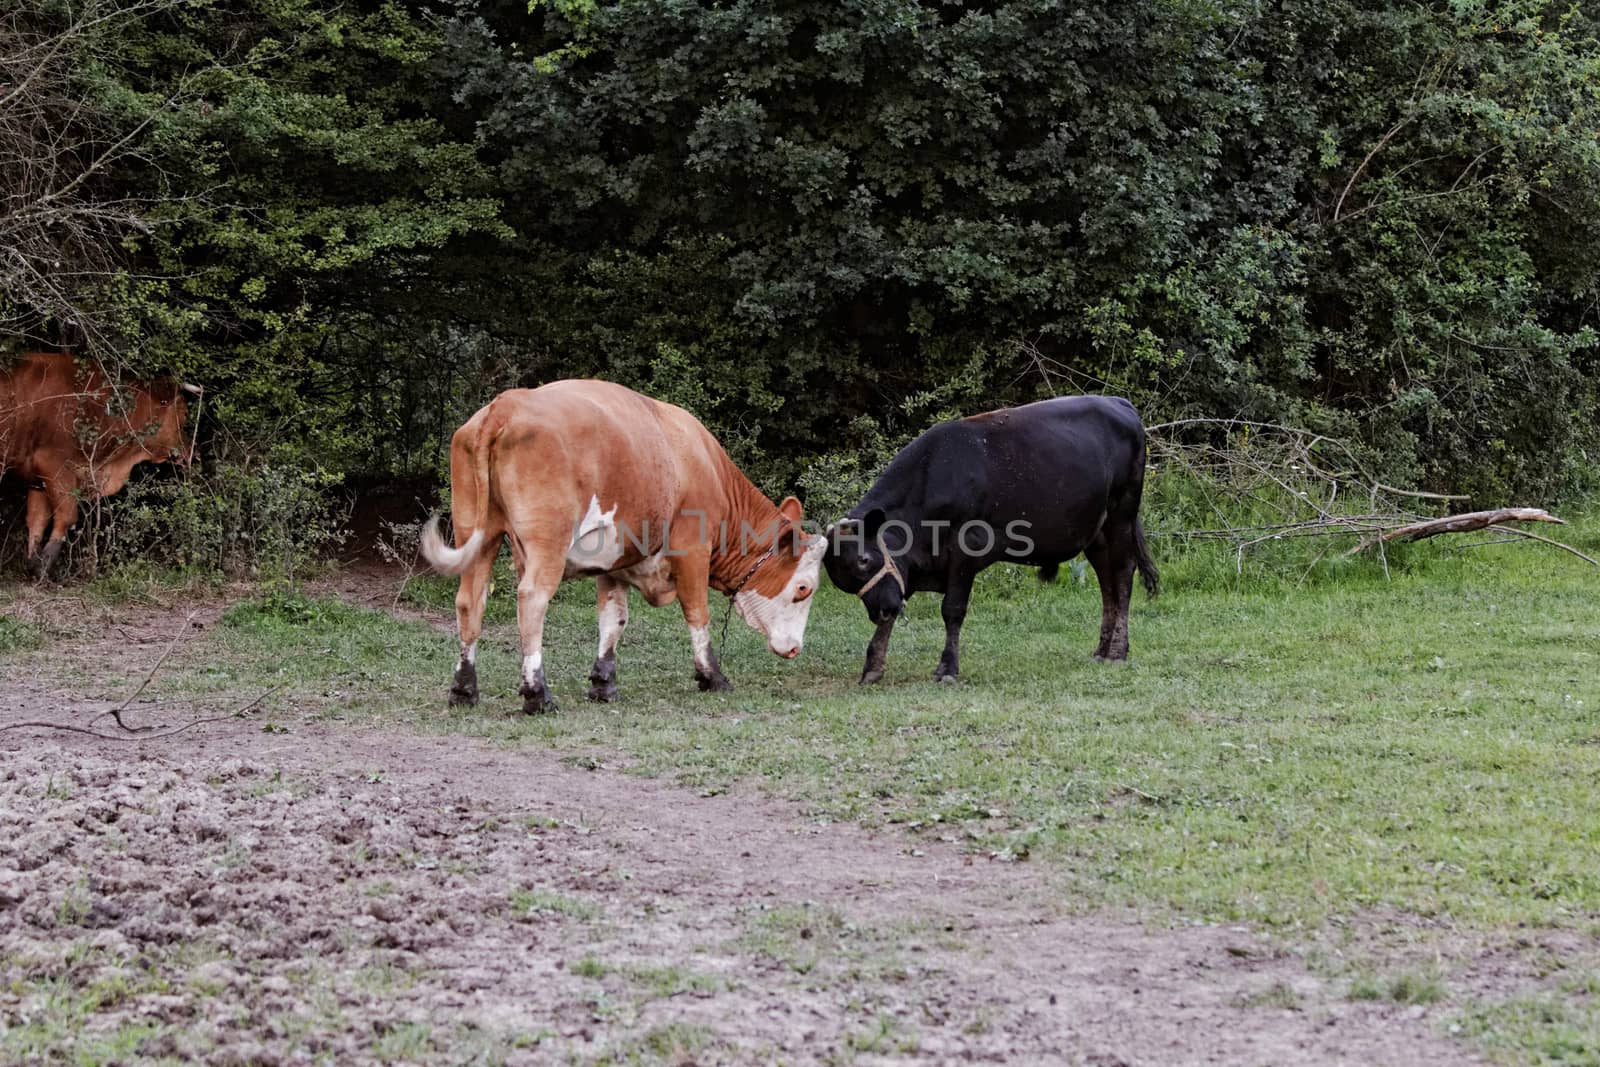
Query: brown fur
x,y
58,430
533,463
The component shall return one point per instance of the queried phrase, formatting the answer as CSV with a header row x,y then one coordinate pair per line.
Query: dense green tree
x,y
822,226
1365,214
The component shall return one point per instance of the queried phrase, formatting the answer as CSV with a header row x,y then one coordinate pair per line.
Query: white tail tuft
x,y
444,559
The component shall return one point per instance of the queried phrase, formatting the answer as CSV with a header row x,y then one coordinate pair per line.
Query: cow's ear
x,y
792,539
790,509
872,522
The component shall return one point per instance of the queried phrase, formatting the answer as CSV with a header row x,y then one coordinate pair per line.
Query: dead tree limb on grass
x,y
1253,484
1463,523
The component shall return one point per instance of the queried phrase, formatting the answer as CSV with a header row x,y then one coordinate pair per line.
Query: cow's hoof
x,y
603,694
44,562
464,685
944,679
871,677
537,701
715,683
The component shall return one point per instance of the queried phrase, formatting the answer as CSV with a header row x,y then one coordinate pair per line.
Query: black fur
x,y
1051,480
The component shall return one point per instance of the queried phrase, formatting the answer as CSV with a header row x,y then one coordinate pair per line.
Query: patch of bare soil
x,y
332,894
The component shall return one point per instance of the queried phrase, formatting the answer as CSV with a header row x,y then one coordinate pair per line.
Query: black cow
x,y
1036,485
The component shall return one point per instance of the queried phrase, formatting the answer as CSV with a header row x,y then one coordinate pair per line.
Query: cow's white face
x,y
782,617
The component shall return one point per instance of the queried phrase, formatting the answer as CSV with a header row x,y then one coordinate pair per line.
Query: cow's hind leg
x,y
471,599
612,597
38,524
957,595
1112,556
57,507
535,588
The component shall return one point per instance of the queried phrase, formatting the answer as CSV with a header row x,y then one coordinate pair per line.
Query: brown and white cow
x,y
72,435
593,479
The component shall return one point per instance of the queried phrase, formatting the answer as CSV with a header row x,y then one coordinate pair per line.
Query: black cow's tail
x,y
1142,560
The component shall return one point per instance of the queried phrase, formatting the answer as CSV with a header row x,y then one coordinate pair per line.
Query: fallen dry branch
x,y
116,712
139,734
1549,541
143,733
1463,523
1259,483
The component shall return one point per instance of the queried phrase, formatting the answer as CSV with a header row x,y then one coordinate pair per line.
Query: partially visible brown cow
x,y
592,479
72,435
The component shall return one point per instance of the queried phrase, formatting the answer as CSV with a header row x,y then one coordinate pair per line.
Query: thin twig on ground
x,y
116,712
139,735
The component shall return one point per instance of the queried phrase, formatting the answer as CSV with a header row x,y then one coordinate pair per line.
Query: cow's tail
x,y
470,510
1142,560
444,559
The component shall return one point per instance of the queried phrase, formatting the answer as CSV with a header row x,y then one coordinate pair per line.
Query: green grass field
x,y
1273,752
1282,752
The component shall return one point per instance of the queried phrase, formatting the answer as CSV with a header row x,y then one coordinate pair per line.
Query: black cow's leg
x,y
1099,556
1113,560
613,611
1119,629
954,610
877,651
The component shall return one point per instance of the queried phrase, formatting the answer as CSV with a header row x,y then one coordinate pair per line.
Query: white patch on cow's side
x,y
613,618
531,662
596,543
781,618
700,638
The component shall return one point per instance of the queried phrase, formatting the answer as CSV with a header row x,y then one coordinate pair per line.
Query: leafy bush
x,y
813,224
831,484
265,521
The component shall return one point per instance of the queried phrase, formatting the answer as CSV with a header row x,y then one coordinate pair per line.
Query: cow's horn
x,y
190,387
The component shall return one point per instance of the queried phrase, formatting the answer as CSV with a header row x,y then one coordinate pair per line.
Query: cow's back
x,y
570,444
1057,466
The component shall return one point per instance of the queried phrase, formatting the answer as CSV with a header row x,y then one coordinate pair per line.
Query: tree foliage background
x,y
823,226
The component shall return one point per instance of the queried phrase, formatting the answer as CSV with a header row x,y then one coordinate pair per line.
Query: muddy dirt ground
x,y
335,894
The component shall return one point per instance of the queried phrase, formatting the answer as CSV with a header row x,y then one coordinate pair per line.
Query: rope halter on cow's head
x,y
888,567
